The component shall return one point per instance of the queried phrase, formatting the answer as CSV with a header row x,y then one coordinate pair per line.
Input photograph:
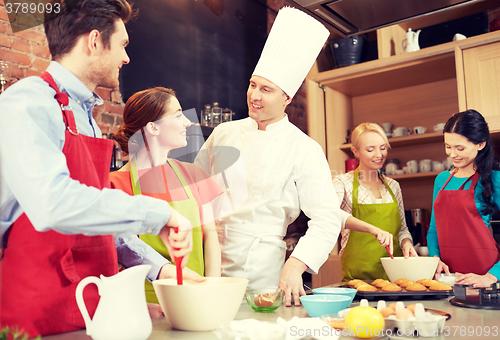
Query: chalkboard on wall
x,y
205,50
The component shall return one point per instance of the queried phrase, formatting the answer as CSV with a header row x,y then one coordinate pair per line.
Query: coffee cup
x,y
387,127
406,169
439,127
438,167
412,166
400,172
390,169
419,129
401,131
425,165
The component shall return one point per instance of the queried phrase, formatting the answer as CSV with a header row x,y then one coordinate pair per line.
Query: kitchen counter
x,y
465,323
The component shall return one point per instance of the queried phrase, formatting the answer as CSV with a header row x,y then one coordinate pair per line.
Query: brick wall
x,y
27,54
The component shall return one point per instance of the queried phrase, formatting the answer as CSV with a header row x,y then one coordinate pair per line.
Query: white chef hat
x,y
291,48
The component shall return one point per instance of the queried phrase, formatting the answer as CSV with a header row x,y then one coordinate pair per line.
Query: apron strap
x,y
136,185
180,177
449,178
63,100
134,177
355,188
474,178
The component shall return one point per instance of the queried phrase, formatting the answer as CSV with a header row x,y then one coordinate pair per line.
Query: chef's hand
x,y
478,281
407,248
179,244
383,237
168,271
155,310
291,280
442,267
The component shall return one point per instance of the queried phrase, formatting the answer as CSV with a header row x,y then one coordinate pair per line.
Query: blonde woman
x,y
375,199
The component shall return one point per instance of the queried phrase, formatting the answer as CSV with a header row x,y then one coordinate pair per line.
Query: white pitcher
x,y
410,43
122,312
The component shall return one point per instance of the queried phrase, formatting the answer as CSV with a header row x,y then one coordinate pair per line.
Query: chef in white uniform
x,y
280,171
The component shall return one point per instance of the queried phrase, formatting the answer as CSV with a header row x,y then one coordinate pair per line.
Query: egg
x,y
264,300
386,311
404,314
411,307
393,305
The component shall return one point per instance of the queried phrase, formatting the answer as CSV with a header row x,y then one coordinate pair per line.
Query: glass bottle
x,y
216,114
207,115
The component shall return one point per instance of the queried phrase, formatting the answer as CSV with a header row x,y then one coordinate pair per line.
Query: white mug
x,y
438,167
406,169
390,169
419,129
425,165
387,127
439,127
400,172
401,131
412,166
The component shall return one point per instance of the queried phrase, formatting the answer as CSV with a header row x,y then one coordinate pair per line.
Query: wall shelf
x,y
431,137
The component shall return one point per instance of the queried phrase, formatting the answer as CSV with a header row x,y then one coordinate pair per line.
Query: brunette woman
x,y
153,125
465,198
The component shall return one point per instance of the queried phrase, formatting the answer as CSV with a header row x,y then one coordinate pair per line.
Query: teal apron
x,y
361,257
187,208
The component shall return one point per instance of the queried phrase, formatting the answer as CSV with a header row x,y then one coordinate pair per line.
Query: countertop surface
x,y
465,323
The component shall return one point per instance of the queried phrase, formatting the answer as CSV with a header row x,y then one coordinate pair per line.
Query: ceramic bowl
x,y
449,279
250,296
201,306
319,305
413,268
336,291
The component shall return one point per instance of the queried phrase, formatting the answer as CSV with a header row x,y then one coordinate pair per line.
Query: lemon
x,y
365,322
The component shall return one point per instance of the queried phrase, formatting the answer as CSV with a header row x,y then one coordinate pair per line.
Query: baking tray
x,y
402,295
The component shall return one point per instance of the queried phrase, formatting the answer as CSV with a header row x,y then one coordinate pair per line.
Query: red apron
x,y
465,243
40,270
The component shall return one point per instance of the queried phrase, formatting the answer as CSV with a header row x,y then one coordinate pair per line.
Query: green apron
x,y
361,257
187,208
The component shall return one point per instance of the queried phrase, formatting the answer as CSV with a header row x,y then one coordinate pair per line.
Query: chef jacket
x,y
454,184
35,178
280,172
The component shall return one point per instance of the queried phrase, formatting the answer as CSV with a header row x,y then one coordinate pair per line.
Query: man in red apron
x,y
57,217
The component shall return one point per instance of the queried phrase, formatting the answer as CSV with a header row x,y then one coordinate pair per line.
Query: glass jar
x,y
216,114
206,115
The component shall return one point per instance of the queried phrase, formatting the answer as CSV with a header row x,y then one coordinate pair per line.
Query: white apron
x,y
252,252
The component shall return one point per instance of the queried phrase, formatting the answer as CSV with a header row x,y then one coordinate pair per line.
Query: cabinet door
x,y
482,82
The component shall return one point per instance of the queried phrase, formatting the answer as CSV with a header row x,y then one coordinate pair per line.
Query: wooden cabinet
x,y
420,88
481,70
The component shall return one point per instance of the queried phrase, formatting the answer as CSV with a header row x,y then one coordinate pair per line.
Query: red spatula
x,y
178,267
386,247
